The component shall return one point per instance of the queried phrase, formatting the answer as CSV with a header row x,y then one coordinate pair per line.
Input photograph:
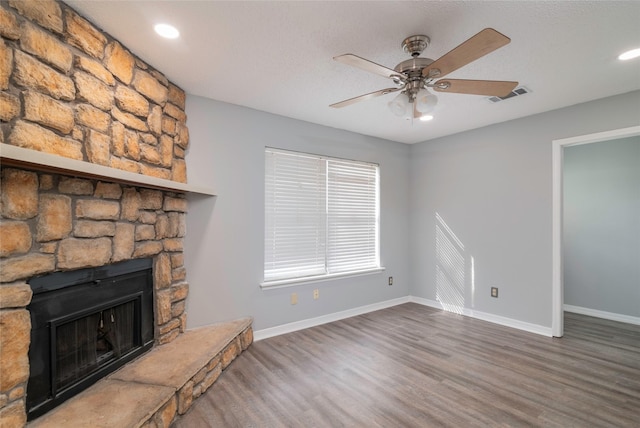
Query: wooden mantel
x,y
45,162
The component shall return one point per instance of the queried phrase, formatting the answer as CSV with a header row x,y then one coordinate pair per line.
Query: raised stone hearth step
x,y
151,390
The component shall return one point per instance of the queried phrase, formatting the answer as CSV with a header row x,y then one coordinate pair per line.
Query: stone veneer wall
x,y
71,90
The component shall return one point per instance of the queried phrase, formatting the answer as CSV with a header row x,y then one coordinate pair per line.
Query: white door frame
x,y
557,297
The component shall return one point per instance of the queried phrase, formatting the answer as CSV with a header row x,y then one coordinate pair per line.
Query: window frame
x,y
289,281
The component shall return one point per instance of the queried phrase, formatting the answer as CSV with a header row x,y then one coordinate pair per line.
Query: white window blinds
x,y
321,216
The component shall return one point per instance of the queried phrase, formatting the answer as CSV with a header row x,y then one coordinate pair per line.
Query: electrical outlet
x,y
316,294
390,280
494,292
294,298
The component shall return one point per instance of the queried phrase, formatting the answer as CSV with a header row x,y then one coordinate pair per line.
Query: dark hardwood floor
x,y
414,366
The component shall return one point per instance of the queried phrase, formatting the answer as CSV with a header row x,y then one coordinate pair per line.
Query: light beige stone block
x,y
46,47
176,96
149,86
75,186
162,226
182,135
93,229
155,120
13,415
131,144
19,194
175,112
9,106
54,221
151,199
15,238
31,73
163,306
168,125
130,204
230,353
145,232
35,137
97,209
47,13
185,398
166,150
24,267
147,248
148,217
131,101
117,139
16,295
81,253
125,164
179,170
123,242
9,27
6,64
93,91
162,273
94,68
119,62
48,111
149,154
92,117
175,204
81,34
129,120
108,190
98,148
155,171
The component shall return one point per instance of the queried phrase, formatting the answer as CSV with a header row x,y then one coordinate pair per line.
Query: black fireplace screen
x,y
84,325
84,345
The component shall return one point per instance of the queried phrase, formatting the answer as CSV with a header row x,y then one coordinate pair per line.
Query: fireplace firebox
x,y
84,325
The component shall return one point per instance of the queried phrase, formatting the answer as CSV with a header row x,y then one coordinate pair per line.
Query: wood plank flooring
x,y
414,366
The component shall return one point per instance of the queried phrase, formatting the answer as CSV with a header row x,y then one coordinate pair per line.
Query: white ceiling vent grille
x,y
520,90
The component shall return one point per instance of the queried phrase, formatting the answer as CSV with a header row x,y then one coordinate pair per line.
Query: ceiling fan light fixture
x,y
426,101
426,117
399,104
633,53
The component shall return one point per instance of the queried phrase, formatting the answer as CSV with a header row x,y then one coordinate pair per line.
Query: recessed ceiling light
x,y
167,31
426,117
633,53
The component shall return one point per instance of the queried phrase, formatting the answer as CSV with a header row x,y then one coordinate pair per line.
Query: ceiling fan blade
x,y
365,64
497,88
486,41
365,97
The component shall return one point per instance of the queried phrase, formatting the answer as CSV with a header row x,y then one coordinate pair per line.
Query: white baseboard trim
x,y
324,319
496,319
602,314
336,316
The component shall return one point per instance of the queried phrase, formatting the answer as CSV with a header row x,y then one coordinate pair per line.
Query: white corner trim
x,y
629,319
496,319
324,319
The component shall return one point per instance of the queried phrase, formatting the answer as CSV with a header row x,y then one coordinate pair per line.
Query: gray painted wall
x,y
225,239
601,232
491,188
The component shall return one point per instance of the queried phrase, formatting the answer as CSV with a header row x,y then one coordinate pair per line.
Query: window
x,y
321,217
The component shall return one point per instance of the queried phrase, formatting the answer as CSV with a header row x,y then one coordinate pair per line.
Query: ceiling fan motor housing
x,y
414,45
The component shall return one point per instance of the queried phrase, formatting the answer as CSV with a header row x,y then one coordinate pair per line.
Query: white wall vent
x,y
520,90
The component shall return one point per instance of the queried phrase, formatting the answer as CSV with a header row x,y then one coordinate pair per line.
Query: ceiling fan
x,y
415,75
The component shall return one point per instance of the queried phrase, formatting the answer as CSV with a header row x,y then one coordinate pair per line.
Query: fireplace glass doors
x,y
84,325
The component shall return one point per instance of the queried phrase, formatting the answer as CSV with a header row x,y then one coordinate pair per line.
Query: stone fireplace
x,y
72,91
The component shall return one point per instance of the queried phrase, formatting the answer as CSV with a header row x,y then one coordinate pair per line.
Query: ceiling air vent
x,y
520,90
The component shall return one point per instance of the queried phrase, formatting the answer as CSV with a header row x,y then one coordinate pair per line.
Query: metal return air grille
x,y
521,90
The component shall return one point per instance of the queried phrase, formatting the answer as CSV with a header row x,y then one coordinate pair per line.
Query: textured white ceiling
x,y
277,56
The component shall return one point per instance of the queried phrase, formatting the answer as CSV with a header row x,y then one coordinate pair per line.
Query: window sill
x,y
318,278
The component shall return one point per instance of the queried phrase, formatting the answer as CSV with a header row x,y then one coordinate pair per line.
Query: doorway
x,y
558,146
